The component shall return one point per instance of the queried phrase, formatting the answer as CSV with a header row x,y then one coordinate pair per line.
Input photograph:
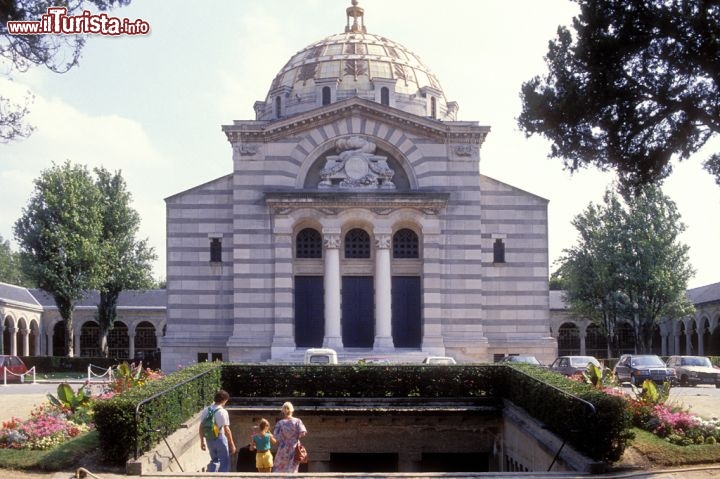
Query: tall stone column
x,y
383,297
13,340
333,335
25,336
701,347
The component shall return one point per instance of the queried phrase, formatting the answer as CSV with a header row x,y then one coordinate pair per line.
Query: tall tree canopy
x,y
78,233
60,238
637,83
59,53
128,260
628,265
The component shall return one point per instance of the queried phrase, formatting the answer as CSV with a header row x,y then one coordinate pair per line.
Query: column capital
x,y
383,241
331,241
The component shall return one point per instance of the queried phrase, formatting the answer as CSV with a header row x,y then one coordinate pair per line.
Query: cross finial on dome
x,y
355,12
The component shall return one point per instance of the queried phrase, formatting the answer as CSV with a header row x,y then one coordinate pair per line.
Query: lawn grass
x,y
65,456
662,453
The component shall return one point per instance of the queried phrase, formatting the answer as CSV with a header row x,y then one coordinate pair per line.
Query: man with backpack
x,y
215,434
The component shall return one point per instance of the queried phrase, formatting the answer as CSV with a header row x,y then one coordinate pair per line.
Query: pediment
x,y
247,131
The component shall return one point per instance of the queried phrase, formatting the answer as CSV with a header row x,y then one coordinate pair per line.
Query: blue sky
x,y
152,106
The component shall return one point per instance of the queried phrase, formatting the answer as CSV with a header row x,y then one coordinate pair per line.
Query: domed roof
x,y
355,63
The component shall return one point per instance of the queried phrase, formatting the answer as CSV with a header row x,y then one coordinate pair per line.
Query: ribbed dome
x,y
355,63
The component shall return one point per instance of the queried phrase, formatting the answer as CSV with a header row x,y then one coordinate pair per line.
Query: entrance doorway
x,y
309,311
358,311
406,311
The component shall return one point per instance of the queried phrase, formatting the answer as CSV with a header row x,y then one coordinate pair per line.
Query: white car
x,y
439,360
694,370
320,356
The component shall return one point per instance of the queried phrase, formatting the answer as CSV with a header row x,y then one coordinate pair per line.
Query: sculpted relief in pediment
x,y
356,166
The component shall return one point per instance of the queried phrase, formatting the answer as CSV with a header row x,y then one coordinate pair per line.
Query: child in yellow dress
x,y
261,441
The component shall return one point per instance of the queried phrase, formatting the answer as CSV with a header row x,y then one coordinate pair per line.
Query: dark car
x,y
569,365
636,368
694,370
520,359
12,367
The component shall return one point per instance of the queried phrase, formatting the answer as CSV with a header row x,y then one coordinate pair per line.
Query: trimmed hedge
x,y
601,435
185,393
360,381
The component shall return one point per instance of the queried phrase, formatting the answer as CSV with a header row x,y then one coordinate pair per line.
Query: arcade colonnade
x,y
697,335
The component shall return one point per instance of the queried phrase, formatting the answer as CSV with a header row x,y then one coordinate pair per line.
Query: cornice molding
x,y
252,131
284,203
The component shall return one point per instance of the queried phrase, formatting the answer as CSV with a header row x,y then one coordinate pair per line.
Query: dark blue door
x,y
406,312
309,311
358,312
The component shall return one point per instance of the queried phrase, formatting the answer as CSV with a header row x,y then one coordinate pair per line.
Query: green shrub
x,y
184,393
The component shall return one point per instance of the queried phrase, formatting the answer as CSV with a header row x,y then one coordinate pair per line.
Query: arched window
x,y
384,96
278,107
90,340
357,244
433,107
119,341
568,340
326,95
406,244
308,244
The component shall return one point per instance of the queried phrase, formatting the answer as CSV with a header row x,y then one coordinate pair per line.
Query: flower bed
x,y
70,413
47,427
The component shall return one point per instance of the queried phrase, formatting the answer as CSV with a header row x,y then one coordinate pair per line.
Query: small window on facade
x,y
385,96
498,251
406,244
326,95
308,244
433,107
278,105
216,357
202,357
357,244
215,250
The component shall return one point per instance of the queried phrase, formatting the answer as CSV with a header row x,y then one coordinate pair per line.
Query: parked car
x,y
636,368
439,360
374,360
521,359
320,356
569,365
694,370
14,365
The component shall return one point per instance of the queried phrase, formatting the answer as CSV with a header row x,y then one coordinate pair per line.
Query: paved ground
x,y
19,400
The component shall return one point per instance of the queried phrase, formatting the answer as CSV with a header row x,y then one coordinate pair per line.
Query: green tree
x,y
128,262
60,237
58,53
636,84
628,265
10,269
656,266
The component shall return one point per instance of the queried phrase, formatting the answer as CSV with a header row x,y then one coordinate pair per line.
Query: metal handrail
x,y
155,396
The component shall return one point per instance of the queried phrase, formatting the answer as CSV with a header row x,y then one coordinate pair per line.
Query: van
x,y
320,356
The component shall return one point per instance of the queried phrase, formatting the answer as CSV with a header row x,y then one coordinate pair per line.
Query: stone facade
x,y
356,217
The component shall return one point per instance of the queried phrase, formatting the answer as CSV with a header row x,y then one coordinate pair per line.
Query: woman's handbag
x,y
301,454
